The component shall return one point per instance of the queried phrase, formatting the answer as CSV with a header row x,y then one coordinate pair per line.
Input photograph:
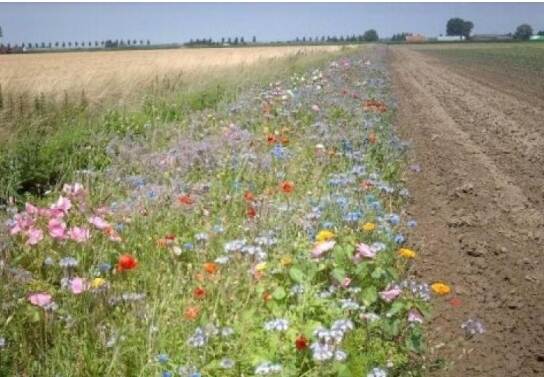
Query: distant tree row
x,y
369,36
96,44
223,41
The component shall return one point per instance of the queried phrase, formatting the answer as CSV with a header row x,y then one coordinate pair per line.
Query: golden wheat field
x,y
117,74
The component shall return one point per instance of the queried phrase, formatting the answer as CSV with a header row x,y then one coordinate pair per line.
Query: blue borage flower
x,y
267,367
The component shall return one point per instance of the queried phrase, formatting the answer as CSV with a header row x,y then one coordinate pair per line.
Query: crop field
x,y
116,75
372,211
504,65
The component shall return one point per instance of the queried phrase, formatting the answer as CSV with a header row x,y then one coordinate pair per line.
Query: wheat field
x,y
117,74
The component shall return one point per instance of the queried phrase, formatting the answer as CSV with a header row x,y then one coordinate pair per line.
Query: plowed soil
x,y
479,202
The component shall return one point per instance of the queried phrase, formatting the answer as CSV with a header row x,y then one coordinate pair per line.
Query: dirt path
x,y
479,202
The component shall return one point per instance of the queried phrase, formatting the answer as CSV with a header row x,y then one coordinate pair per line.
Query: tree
x,y
1,35
254,39
541,32
460,27
370,36
523,32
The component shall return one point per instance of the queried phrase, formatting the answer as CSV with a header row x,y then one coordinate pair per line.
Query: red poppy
x,y
185,199
287,187
301,343
271,139
248,196
251,212
211,267
456,302
126,262
170,237
199,293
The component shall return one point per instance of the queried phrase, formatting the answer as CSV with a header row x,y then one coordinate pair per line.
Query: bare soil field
x,y
116,74
479,201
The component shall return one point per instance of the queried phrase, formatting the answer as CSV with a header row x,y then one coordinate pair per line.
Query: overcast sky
x,y
166,22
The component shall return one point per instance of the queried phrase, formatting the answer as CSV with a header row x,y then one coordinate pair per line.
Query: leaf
x,y
339,274
369,295
414,342
343,371
296,275
279,294
377,273
395,308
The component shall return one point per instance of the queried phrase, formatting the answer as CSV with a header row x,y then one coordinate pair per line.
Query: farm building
x,y
492,37
415,38
450,38
537,38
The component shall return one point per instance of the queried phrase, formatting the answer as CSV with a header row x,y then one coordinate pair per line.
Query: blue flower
x,y
279,152
167,374
399,239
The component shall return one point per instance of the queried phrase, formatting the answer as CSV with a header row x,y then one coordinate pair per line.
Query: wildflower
x,y
301,343
286,260
104,267
227,363
316,108
271,139
322,351
185,200
353,216
407,253
191,313
415,316
473,327
199,293
324,235
321,248
2,342
340,355
249,197
266,368
41,299
99,222
363,251
227,331
68,262
411,224
399,239
440,289
251,212
79,234
277,325
57,229
35,235
201,236
368,227
235,245
126,262
287,187
63,204
456,302
377,372
98,282
78,285
390,294
198,339
210,267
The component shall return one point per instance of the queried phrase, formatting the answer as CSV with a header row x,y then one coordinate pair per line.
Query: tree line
x,y
76,44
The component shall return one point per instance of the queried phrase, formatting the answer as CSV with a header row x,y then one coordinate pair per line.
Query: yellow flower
x,y
368,227
324,235
407,253
441,289
98,282
286,260
261,266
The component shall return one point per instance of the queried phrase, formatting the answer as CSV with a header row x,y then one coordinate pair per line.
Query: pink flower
x,y
21,222
35,235
57,229
75,190
78,285
316,108
321,248
31,210
63,204
346,282
99,222
415,316
41,299
79,234
363,251
390,294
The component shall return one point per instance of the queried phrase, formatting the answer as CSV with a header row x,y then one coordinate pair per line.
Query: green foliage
x,y
523,32
370,35
458,26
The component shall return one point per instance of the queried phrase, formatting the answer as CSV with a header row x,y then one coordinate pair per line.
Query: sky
x,y
179,22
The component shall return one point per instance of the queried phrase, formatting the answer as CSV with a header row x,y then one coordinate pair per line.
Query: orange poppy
x,y
287,187
191,313
284,139
271,139
248,196
211,267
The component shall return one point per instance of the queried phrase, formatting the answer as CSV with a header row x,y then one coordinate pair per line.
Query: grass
x,y
246,220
